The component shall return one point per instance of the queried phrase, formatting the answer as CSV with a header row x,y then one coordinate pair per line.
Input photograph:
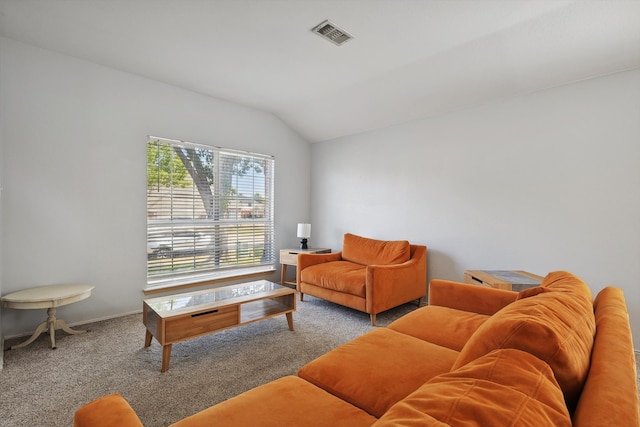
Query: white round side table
x,y
49,297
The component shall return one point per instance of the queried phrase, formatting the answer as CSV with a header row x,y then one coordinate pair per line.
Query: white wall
x,y
74,174
543,182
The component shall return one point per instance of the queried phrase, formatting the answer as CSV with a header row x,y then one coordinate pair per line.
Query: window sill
x,y
160,286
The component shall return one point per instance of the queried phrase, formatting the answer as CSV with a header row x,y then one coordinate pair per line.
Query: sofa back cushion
x,y
503,388
365,251
557,326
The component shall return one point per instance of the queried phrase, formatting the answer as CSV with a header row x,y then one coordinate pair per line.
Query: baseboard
x,y
100,319
84,322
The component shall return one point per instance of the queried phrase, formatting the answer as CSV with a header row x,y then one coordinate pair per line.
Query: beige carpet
x,y
43,387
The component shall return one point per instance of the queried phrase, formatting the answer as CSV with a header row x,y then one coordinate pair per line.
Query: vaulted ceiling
x,y
408,59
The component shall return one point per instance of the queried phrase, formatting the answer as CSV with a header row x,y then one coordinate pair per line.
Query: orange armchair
x,y
367,275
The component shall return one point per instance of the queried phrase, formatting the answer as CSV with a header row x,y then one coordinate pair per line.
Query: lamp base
x,y
303,244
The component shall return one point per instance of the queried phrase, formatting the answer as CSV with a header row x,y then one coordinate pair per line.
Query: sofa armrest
x,y
609,396
466,297
307,260
110,410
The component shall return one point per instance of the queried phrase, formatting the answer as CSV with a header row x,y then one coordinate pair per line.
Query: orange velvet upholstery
x,y
502,388
466,297
368,275
340,276
393,364
610,394
106,411
365,251
443,326
557,327
563,281
288,401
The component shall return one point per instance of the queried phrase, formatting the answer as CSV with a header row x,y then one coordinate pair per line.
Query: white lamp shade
x,y
304,230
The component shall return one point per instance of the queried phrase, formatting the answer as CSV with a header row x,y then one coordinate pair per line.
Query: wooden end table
x,y
179,317
511,280
49,297
290,257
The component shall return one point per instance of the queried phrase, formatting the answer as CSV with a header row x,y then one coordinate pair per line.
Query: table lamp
x,y
304,232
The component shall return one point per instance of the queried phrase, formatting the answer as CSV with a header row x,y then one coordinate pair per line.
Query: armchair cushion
x,y
341,276
365,251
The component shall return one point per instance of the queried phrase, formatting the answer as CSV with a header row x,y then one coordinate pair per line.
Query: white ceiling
x,y
409,58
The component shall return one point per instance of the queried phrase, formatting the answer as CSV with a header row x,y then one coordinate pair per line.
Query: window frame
x,y
223,221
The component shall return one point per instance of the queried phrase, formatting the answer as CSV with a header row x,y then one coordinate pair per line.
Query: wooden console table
x,y
511,280
290,257
49,297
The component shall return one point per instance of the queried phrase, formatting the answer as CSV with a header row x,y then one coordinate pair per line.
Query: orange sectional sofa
x,y
367,274
547,356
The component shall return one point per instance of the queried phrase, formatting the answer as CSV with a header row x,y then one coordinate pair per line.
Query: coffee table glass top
x,y
173,304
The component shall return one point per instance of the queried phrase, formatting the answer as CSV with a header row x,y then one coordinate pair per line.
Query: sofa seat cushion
x,y
444,326
378,369
557,327
341,276
365,251
288,401
503,388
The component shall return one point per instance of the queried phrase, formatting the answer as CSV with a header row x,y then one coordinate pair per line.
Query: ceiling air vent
x,y
331,32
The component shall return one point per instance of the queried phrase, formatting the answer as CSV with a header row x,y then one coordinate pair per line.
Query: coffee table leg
x,y
166,357
147,339
290,321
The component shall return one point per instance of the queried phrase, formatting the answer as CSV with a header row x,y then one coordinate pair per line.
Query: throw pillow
x,y
557,326
505,387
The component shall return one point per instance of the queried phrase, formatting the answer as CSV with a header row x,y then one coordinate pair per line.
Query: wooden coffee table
x,y
180,317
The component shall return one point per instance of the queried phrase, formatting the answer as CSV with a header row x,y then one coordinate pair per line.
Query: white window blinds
x,y
209,212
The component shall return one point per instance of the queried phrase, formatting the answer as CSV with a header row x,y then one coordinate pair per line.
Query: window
x,y
209,212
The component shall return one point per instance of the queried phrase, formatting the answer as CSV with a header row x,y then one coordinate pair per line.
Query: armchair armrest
x,y
110,410
388,286
307,260
466,297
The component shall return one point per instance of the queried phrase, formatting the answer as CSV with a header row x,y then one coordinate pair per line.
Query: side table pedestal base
x,y
50,324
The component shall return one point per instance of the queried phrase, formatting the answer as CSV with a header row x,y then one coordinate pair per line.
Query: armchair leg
x,y
301,296
373,319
